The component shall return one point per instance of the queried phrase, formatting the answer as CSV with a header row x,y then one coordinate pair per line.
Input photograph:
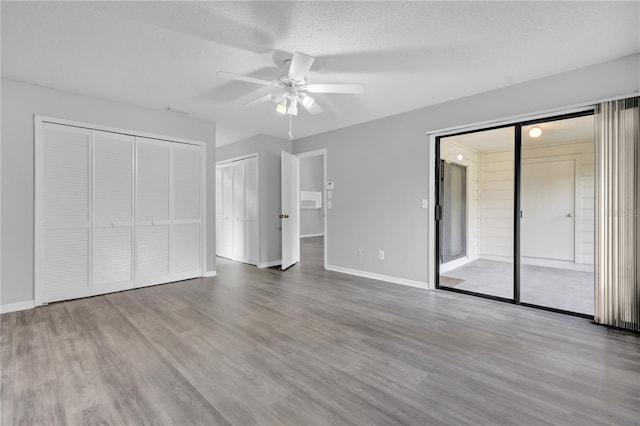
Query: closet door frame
x,y
38,122
228,162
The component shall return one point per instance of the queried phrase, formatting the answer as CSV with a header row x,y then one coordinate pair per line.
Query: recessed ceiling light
x,y
460,157
535,132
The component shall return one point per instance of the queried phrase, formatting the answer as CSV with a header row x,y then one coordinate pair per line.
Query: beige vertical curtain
x,y
617,290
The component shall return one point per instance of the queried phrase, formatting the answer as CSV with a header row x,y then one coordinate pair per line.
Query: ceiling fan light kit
x,y
292,87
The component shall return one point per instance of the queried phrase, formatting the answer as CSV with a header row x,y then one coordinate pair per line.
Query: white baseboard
x,y
210,274
20,306
446,267
312,235
379,277
270,264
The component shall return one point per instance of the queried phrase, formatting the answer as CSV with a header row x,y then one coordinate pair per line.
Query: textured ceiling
x,y
407,54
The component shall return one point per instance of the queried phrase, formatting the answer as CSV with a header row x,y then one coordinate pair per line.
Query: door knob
x,y
569,214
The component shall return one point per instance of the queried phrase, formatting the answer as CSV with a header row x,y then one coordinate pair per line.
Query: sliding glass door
x,y
484,265
515,213
557,202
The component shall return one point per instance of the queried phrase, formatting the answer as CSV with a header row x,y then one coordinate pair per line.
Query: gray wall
x,y
269,149
20,102
311,179
381,169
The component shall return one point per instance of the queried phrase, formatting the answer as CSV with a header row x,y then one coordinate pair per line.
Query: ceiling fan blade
x,y
260,100
300,66
313,109
245,78
335,88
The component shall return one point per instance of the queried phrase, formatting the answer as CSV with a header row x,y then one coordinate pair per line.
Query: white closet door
x,y
238,212
187,211
112,212
219,216
251,210
64,267
227,212
153,201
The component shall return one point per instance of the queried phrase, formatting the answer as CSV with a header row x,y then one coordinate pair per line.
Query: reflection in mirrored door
x,y
476,192
454,203
557,225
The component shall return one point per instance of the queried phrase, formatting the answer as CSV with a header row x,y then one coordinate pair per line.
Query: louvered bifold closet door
x,y
186,239
64,266
219,215
251,211
227,212
112,212
238,212
153,201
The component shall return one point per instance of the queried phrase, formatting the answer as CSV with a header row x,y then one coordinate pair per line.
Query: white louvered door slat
x,y
187,211
112,212
152,241
65,221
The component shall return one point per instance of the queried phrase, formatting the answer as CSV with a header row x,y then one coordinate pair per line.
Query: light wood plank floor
x,y
309,346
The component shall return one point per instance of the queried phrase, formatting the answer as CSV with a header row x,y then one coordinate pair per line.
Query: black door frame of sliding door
x,y
517,213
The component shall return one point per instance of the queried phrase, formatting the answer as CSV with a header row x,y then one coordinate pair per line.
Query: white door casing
x,y
290,212
548,210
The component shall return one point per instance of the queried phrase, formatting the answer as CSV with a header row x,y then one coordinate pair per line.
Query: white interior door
x,y
250,218
238,212
548,210
112,212
64,266
219,216
227,212
153,201
186,218
290,213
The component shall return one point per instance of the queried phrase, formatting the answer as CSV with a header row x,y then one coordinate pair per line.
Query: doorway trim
x,y
315,153
433,139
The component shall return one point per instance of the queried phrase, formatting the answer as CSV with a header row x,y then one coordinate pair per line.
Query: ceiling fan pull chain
x,y
291,127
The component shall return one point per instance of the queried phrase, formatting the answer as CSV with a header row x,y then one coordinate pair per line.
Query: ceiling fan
x,y
291,89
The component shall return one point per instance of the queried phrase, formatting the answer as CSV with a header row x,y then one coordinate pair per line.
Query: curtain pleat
x,y
617,290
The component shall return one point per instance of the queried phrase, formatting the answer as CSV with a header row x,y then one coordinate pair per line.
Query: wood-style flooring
x,y
308,346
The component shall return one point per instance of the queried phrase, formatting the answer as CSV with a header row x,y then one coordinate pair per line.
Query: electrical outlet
x,y
381,255
360,252
329,205
425,204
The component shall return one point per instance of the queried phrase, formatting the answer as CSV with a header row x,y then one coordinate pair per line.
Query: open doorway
x,y
314,199
516,213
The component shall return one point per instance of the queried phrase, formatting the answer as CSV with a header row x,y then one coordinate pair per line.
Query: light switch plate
x,y
329,195
425,204
329,204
